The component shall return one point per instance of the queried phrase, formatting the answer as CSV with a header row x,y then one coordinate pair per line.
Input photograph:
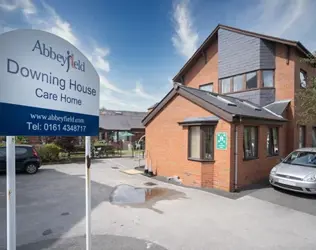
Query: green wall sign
x,y
221,140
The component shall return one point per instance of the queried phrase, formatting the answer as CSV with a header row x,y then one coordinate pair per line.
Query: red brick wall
x,y
202,73
167,147
285,89
311,72
251,171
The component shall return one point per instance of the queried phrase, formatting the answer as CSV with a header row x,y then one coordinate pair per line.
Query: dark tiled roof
x,y
201,119
121,120
225,107
234,105
278,107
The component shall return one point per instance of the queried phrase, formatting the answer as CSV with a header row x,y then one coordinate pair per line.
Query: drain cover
x,y
115,168
150,184
47,232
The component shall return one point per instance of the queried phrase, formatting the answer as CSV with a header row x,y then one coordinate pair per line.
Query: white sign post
x,y
88,193
11,194
47,88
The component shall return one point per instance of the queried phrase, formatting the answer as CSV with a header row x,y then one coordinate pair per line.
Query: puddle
x,y
126,195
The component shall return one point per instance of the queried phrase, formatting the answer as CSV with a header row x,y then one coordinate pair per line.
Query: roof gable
x,y
214,34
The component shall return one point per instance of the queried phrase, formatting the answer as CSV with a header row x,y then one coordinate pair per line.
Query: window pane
x,y
301,137
208,143
267,77
251,80
238,82
207,87
314,137
269,141
195,142
303,78
273,141
250,142
226,85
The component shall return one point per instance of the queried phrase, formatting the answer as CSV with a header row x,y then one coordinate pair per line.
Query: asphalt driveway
x,y
50,214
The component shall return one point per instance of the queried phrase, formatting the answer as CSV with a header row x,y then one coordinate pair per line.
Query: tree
x,y
306,97
67,143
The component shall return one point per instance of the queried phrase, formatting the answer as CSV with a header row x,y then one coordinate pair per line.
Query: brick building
x,y
231,115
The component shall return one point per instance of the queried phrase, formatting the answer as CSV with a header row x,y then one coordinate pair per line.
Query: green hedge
x,y
49,152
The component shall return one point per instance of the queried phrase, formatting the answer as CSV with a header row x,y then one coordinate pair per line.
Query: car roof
x,y
306,149
19,145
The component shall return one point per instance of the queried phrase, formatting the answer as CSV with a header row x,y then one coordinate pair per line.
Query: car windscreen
x,y
302,158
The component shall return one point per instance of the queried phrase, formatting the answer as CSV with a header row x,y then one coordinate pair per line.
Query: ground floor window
x,y
301,137
250,142
314,137
273,141
201,142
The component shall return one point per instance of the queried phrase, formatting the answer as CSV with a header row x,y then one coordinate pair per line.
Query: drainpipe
x,y
236,159
236,156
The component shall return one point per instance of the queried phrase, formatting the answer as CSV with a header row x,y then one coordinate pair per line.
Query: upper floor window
x,y
267,78
225,85
238,82
251,80
207,87
303,78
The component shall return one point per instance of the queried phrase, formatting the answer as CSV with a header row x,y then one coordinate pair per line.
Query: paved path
x,y
50,214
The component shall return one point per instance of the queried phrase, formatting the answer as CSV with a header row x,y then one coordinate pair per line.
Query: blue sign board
x,y
47,86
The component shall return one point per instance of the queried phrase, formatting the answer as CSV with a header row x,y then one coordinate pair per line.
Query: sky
x,y
138,46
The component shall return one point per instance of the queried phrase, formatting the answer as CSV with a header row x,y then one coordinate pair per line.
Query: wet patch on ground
x,y
127,195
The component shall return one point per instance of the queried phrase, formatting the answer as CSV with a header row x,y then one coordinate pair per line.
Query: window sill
x,y
250,159
246,90
268,156
200,160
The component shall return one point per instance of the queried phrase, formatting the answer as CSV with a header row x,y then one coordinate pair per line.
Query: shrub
x,y
21,140
49,152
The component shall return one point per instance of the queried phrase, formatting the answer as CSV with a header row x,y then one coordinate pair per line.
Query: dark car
x,y
26,159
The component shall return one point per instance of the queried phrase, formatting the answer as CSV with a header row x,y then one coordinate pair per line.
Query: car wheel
x,y
31,168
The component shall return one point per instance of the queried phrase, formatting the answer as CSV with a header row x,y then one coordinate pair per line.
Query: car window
x,y
302,158
20,151
2,152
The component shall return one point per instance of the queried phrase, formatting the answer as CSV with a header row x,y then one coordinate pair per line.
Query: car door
x,y
2,159
20,157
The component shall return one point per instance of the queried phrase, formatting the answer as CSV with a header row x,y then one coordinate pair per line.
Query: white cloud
x,y
26,6
185,38
46,18
139,91
291,19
